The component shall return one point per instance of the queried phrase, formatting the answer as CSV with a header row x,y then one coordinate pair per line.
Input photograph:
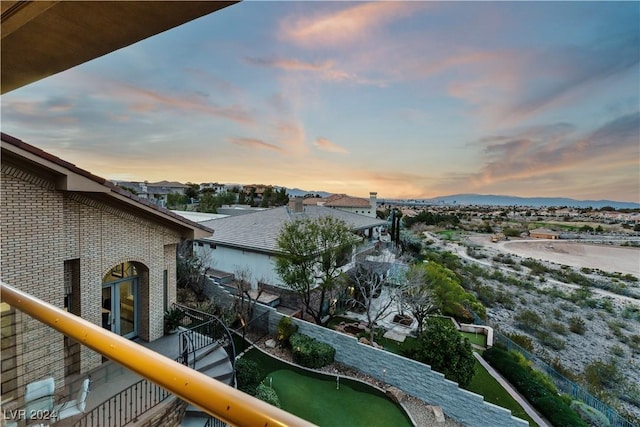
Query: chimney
x,y
295,205
373,197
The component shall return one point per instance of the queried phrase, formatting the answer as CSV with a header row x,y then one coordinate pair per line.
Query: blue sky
x,y
409,99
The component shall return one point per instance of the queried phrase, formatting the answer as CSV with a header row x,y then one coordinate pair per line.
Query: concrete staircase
x,y
214,362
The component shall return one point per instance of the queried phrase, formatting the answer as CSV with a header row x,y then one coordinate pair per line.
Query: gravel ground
x,y
419,410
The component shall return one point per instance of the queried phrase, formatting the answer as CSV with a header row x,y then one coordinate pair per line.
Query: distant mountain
x,y
296,192
494,200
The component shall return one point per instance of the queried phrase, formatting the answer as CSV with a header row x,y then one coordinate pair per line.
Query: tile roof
x,y
259,230
338,201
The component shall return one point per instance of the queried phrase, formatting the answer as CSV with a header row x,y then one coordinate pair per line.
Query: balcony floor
x,y
111,378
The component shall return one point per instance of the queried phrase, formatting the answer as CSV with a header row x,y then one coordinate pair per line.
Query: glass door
x,y
107,308
127,308
119,307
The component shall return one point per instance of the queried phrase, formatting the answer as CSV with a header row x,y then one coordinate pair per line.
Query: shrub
x,y
577,325
248,375
268,395
616,350
522,340
549,340
441,346
310,352
548,403
600,375
558,328
591,415
286,328
529,320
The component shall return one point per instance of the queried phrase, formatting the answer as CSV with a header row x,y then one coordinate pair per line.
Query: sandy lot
x,y
612,259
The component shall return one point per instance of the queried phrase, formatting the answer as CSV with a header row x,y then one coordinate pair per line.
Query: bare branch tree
x,y
417,296
246,297
367,281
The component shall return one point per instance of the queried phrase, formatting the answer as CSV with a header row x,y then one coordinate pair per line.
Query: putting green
x,y
319,401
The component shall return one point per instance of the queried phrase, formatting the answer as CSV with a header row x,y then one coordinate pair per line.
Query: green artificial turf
x,y
322,403
478,339
484,384
315,398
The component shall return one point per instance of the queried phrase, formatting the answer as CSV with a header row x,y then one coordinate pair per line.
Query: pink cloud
x,y
143,100
254,144
346,25
326,70
326,145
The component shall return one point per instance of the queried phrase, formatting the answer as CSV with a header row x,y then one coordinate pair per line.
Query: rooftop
x,y
260,230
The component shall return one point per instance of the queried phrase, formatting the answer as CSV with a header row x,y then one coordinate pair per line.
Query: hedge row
x,y
548,403
310,352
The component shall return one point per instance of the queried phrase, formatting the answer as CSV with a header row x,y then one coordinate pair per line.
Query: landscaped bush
x,y
310,352
286,328
548,403
591,415
248,375
268,395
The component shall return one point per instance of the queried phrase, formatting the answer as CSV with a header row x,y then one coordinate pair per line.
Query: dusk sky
x,y
415,99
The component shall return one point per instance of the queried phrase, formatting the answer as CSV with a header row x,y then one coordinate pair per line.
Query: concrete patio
x,y
110,378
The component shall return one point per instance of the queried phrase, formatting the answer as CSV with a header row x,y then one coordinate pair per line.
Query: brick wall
x,y
41,229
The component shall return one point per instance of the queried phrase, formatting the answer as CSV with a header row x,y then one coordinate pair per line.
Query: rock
x,y
270,343
394,394
376,345
437,412
363,340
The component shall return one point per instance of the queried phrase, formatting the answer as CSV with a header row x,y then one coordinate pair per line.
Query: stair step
x,y
206,351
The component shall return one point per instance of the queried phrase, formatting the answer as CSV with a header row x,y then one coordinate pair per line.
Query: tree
x,y
174,200
417,295
242,198
442,347
311,253
190,269
192,190
245,299
368,280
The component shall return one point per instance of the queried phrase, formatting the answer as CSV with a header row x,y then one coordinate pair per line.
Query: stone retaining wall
x,y
410,376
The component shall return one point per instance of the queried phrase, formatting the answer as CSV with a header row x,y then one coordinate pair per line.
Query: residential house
x,y
80,243
347,203
214,187
250,241
156,192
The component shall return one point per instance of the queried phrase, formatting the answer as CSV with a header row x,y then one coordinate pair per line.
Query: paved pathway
x,y
525,405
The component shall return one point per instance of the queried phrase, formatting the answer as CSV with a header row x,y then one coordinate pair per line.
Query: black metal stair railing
x,y
204,329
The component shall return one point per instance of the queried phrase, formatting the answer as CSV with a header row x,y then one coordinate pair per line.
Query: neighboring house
x,y
213,187
346,203
543,233
80,243
250,241
156,192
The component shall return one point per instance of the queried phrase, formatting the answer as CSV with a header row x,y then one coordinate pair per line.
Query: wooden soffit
x,y
42,38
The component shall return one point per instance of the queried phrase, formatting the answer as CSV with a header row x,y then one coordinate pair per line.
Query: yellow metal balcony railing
x,y
215,398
